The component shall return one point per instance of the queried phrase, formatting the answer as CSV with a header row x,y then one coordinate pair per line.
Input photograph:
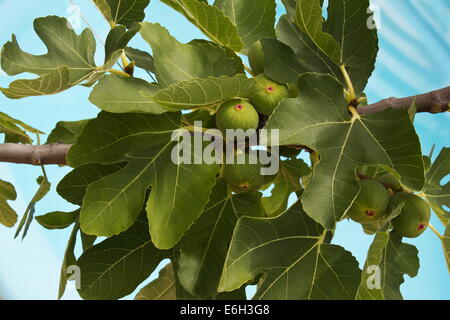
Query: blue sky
x,y
414,56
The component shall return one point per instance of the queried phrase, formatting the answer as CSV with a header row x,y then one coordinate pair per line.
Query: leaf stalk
x,y
348,81
436,232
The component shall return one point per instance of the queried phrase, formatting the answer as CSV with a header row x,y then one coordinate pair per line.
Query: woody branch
x,y
432,102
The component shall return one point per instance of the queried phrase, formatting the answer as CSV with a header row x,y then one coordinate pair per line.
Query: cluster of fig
x,y
245,114
249,114
407,213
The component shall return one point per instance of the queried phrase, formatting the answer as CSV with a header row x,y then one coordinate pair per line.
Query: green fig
x,y
267,94
237,114
256,58
371,203
245,177
414,217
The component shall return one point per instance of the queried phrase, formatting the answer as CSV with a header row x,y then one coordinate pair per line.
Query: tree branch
x,y
433,102
35,155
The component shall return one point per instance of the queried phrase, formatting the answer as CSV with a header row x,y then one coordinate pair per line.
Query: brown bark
x,y
433,102
34,155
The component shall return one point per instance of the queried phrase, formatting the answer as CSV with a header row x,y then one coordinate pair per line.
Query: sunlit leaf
x,y
51,83
124,12
69,60
65,48
203,92
176,62
121,95
210,20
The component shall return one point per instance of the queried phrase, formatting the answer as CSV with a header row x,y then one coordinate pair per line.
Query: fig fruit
x,y
237,114
414,217
256,58
267,94
371,203
245,177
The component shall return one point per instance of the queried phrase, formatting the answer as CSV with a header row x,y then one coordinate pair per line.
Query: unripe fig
x,y
371,203
267,94
414,217
237,114
256,58
245,177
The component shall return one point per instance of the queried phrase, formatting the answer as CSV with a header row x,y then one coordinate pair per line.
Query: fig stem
x,y
314,156
422,195
124,59
435,231
349,83
249,70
